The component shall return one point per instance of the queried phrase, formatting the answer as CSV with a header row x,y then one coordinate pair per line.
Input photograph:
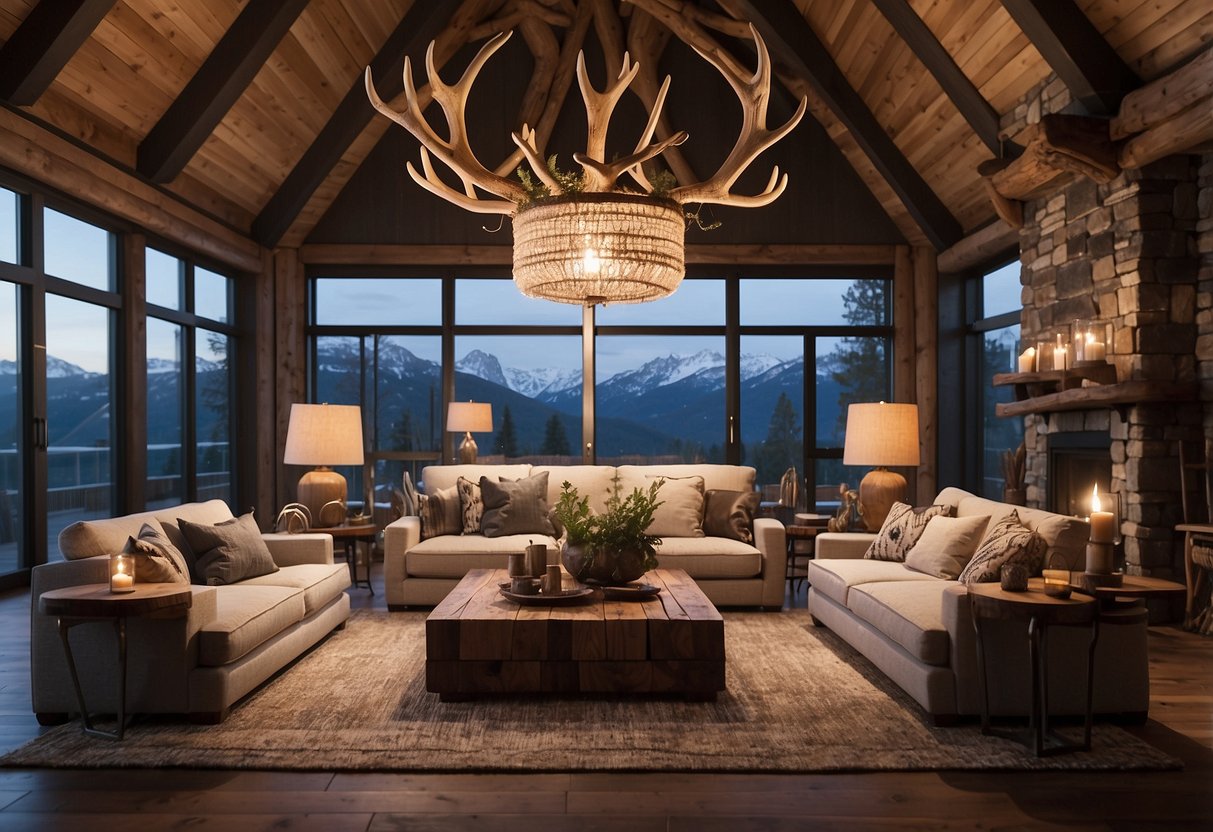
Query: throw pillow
x,y
515,506
901,530
439,513
680,513
730,514
157,561
410,506
471,505
1009,541
946,545
228,552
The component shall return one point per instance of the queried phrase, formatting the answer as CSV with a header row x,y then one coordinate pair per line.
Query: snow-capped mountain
x,y
58,368
537,384
659,372
482,365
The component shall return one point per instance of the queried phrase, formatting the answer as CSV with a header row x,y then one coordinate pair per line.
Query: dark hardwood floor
x,y
1181,723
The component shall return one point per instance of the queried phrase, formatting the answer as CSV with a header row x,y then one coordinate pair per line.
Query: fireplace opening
x,y
1077,461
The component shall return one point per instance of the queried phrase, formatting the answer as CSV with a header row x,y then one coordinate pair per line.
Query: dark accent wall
x,y
825,202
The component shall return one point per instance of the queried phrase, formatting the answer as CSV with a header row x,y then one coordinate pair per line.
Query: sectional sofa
x,y
918,629
233,639
730,572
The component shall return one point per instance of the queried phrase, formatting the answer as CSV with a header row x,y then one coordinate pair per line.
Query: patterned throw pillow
x,y
902,529
439,513
471,505
157,561
1009,541
730,514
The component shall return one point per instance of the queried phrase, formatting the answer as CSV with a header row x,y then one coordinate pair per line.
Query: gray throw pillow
x,y
516,506
901,530
157,561
1008,541
730,514
228,552
439,513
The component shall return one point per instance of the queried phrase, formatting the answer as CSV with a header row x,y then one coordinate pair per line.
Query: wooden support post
x,y
266,369
904,363
132,403
290,304
926,351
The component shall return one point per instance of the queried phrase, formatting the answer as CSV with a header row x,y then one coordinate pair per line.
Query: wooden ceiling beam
x,y
962,92
216,86
43,44
1086,63
421,24
797,51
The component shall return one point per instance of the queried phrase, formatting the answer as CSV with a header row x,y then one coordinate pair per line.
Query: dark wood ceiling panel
x,y
47,39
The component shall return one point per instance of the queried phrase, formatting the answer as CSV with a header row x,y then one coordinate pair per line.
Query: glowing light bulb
x,y
590,261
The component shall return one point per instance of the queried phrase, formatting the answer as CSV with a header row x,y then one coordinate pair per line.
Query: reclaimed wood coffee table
x,y
477,642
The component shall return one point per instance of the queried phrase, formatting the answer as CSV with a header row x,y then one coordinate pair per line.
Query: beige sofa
x,y
233,639
731,573
918,629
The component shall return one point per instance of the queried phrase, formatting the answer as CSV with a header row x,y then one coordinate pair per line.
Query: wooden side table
x,y
794,533
1040,611
94,602
350,535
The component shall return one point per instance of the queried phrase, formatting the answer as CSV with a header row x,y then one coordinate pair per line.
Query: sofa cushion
x,y
157,561
730,514
730,477
594,482
1065,537
320,582
246,617
471,505
228,552
946,545
680,513
710,557
451,556
516,506
436,477
834,577
1008,542
90,538
439,513
908,612
901,530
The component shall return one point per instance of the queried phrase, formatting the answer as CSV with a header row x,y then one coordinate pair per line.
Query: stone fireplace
x,y
1135,253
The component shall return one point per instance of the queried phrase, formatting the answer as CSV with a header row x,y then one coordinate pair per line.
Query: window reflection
x,y
164,278
77,251
212,295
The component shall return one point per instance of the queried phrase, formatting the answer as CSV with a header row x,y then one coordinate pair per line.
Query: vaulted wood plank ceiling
x,y
122,79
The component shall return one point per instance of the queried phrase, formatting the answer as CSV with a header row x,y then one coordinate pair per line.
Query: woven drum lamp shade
x,y
881,434
323,435
589,248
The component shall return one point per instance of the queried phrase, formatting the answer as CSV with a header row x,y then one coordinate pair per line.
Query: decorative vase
x,y
1015,496
603,567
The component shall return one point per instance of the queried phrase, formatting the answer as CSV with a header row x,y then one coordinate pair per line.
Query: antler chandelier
x,y
585,239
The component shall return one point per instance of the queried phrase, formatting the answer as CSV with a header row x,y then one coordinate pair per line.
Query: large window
x,y
11,502
997,327
693,377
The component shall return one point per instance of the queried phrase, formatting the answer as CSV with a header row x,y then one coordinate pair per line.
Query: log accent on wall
x,y
344,254
1165,97
41,155
926,351
290,378
979,248
1056,146
905,365
1191,128
266,369
132,390
43,44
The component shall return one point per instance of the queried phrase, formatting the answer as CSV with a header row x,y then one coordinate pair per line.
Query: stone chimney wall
x,y
1136,252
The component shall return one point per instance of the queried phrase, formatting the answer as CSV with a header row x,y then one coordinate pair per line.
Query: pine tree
x,y
555,439
860,364
403,436
783,446
506,442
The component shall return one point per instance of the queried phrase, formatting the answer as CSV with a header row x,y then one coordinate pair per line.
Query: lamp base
x,y
877,493
467,449
319,487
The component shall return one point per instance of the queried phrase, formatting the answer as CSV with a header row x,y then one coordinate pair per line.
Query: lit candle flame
x,y
1095,506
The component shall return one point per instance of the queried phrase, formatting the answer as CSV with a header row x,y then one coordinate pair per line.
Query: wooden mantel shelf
x,y
1118,395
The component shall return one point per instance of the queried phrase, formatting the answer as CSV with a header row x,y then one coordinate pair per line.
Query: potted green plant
x,y
610,548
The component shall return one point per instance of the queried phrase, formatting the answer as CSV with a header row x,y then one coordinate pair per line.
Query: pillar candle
x,y
1103,526
1095,350
1059,357
1027,360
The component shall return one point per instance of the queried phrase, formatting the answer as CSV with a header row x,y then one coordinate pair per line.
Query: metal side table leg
x,y
86,722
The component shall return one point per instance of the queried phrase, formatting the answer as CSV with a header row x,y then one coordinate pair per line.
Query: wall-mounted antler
x,y
599,175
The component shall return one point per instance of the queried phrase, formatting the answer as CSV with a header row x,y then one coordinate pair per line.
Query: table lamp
x,y
881,434
323,435
468,417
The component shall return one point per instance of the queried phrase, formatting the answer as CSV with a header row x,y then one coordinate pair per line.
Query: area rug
x,y
798,700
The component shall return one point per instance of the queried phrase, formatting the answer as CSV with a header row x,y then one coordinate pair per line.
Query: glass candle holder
x,y
1091,339
122,573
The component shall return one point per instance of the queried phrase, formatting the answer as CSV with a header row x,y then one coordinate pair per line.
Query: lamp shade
x,y
882,434
324,434
469,416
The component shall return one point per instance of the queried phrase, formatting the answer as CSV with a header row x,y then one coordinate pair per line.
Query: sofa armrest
x,y
294,549
398,537
852,545
771,540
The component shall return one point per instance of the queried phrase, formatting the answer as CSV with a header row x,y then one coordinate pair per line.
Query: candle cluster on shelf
x,y
1090,339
